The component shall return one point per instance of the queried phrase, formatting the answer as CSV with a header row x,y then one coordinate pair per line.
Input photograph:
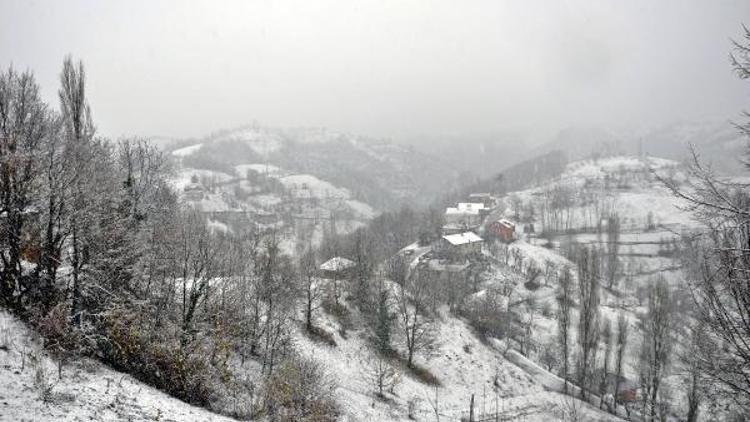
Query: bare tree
x,y
79,132
656,346
565,300
363,257
384,317
693,378
720,262
23,128
588,324
198,265
307,269
622,344
606,336
417,325
527,343
613,249
381,374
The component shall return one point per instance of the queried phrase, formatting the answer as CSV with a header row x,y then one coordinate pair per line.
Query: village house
x,y
502,229
459,246
337,268
466,214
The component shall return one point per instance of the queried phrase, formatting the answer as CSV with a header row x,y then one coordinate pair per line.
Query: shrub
x,y
487,317
42,378
320,334
157,362
60,337
300,390
424,375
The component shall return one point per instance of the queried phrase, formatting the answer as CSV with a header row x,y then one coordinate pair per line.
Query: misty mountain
x,y
377,172
716,141
478,155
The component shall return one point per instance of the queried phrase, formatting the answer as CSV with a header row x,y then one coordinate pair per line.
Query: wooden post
x,y
471,409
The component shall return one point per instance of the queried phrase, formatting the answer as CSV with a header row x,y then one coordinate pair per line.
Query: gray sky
x,y
384,68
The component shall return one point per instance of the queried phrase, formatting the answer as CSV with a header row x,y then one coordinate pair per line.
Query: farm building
x,y
337,268
458,246
503,229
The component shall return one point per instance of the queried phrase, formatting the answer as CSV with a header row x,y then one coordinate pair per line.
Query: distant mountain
x,y
478,155
382,174
717,142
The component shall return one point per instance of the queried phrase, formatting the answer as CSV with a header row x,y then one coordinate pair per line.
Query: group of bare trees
x,y
718,263
593,331
98,253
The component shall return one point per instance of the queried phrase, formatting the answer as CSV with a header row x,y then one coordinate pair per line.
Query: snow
x,y
464,365
182,152
462,238
306,185
458,211
337,264
362,209
184,175
217,226
540,255
260,168
87,390
470,206
263,141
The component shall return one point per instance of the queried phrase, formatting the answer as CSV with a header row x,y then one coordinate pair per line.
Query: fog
x,y
384,68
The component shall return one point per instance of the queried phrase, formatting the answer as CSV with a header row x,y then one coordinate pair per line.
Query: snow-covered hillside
x,y
377,172
576,208
301,206
463,364
31,389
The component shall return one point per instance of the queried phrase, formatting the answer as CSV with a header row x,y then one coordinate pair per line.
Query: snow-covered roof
x,y
462,238
470,206
454,210
337,263
466,208
506,223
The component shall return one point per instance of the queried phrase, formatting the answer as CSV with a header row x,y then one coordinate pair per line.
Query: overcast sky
x,y
384,68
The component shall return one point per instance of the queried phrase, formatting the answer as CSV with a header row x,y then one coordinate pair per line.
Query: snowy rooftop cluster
x,y
462,238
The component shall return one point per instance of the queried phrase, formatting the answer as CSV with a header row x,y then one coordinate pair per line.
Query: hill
x,y
377,172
